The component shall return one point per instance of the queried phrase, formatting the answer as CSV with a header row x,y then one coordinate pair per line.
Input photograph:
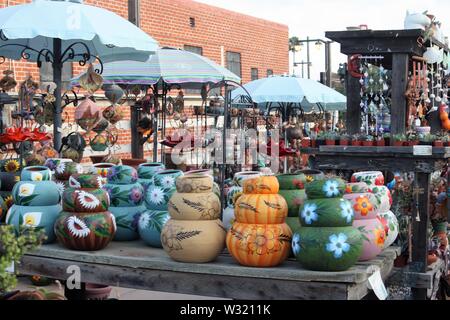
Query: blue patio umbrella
x,y
60,31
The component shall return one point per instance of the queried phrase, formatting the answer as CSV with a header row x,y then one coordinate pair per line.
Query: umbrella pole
x,y
57,78
155,124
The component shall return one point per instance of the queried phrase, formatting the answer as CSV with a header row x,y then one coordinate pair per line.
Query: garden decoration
x,y
259,237
326,240
292,189
85,224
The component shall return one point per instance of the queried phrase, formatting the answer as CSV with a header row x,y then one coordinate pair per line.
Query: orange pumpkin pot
x,y
261,185
259,245
261,208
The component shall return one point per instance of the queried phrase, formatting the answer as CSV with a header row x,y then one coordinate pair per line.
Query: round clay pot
x,y
32,193
125,195
85,200
330,142
122,174
194,206
344,142
193,241
157,198
64,170
327,249
312,175
291,181
166,178
294,199
328,188
194,183
261,185
36,173
150,225
392,227
356,187
101,169
145,183
240,177
232,195
260,209
148,170
363,204
228,217
334,212
373,235
96,291
86,181
127,222
372,178
383,197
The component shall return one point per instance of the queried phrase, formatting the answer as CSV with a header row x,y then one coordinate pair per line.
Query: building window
x,y
46,74
269,72
255,74
234,63
194,49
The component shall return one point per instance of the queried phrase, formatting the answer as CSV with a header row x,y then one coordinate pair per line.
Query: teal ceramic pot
x,y
157,198
145,183
334,212
327,249
125,195
150,225
122,175
32,193
62,185
52,163
127,222
294,199
148,170
8,180
36,173
65,169
85,200
86,180
328,188
36,216
166,179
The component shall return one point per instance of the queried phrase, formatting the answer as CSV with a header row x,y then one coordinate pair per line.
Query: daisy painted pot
x,y
101,169
334,212
166,178
193,241
37,217
157,198
32,193
292,181
372,178
148,170
86,181
125,195
122,175
150,225
260,208
36,173
390,222
312,175
64,170
373,237
294,199
356,187
327,249
85,231
127,222
85,200
329,188
194,183
363,204
383,198
52,163
259,245
194,206
62,185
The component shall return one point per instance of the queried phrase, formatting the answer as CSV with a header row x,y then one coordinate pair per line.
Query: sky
x,y
313,17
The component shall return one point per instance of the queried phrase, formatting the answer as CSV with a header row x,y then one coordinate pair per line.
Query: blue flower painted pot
x,y
32,193
36,173
52,163
146,183
125,195
166,179
148,170
150,225
37,216
122,175
157,198
127,222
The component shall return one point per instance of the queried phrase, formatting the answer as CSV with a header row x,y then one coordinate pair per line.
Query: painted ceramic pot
x,y
383,198
122,175
101,169
127,222
328,188
99,143
157,198
259,245
32,193
240,177
294,199
3,209
293,223
312,175
85,200
37,216
260,208
356,187
363,205
65,169
148,170
193,241
150,225
291,181
390,222
327,249
12,165
52,163
261,185
85,231
194,183
36,173
194,206
125,195
373,235
228,217
232,195
372,178
8,180
166,178
334,212
85,180
62,185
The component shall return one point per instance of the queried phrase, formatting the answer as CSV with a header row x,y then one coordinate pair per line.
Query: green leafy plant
x,y
367,137
344,136
427,138
330,135
399,137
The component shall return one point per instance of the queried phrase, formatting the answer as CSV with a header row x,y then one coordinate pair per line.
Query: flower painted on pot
x,y
136,195
331,188
144,220
347,211
36,176
26,189
32,219
87,200
338,245
167,182
12,166
60,168
9,201
309,213
298,183
263,242
77,227
156,196
309,178
296,244
73,183
363,205
101,181
380,237
61,187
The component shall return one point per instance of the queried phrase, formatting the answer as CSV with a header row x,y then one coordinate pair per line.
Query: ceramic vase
x,y
373,235
150,225
372,178
158,194
36,173
390,222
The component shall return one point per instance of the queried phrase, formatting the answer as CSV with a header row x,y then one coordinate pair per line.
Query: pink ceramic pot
x,y
372,178
391,225
356,187
363,204
383,197
374,237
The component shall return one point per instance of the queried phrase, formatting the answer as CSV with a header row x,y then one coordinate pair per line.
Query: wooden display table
x,y
135,265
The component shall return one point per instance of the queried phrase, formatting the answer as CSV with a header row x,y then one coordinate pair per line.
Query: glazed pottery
x,y
334,212
291,181
193,241
32,193
127,222
261,185
148,170
86,180
36,173
52,163
125,195
194,206
157,198
150,225
311,175
166,178
373,235
260,208
194,183
228,217
122,175
328,188
101,169
34,216
85,200
363,204
294,199
372,178
293,223
383,198
327,249
391,226
87,114
64,170
356,187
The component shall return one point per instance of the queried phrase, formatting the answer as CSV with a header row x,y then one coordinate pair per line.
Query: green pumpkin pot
x,y
334,212
294,199
327,249
148,170
291,181
312,175
329,188
127,222
85,200
36,173
32,193
88,181
122,175
293,223
150,226
125,195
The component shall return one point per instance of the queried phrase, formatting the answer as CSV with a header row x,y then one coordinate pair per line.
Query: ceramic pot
x,y
260,208
12,165
127,222
200,172
356,187
259,245
125,195
228,217
240,177
363,205
383,198
84,180
372,178
8,180
52,163
122,175
334,212
232,195
193,241
294,199
36,173
150,225
85,231
101,126
101,169
194,183
145,183
64,170
157,198
291,181
62,185
261,185
293,223
32,193
327,249
194,206
328,188
37,216
85,200
373,235
312,175
148,170
391,226
166,178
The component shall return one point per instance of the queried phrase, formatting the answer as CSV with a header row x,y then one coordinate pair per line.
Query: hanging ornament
x,y
113,93
87,114
113,114
91,81
7,83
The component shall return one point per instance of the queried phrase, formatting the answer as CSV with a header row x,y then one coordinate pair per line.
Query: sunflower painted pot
x,y
194,206
373,237
312,175
127,222
125,195
372,178
356,187
363,204
391,227
64,170
334,212
122,175
383,198
52,163
148,170
166,178
36,173
150,225
37,217
196,241
32,193
86,180
327,248
12,165
85,200
291,181
328,188
260,208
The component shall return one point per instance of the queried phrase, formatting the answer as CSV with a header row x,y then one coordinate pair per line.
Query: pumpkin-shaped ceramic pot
x,y
101,169
122,175
127,222
312,175
36,173
363,204
36,216
32,193
125,195
294,199
327,249
87,114
357,187
333,212
259,245
374,237
84,180
261,185
166,178
240,177
194,206
383,198
85,200
390,222
148,170
193,241
291,181
327,188
52,163
85,231
260,208
64,170
150,225
372,178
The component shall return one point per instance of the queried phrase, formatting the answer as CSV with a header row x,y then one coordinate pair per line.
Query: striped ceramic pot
x,y
36,173
150,225
127,222
32,193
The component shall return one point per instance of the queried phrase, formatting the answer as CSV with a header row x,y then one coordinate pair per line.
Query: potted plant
x,y
344,139
330,138
387,139
445,140
380,142
320,139
306,142
438,141
399,139
356,140
413,139
426,139
367,140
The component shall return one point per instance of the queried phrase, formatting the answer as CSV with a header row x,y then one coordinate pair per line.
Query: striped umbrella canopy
x,y
168,65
